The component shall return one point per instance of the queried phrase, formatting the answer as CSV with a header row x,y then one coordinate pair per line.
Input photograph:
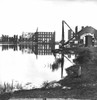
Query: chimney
x,y
82,27
76,29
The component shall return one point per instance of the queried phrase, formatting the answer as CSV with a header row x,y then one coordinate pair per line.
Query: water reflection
x,y
29,69
39,49
6,47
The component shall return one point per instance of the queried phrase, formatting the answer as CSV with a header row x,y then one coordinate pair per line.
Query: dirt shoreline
x,y
77,94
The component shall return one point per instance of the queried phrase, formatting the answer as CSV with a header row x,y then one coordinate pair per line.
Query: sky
x,y
17,16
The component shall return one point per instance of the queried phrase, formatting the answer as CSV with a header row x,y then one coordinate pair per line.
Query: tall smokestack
x,y
69,34
76,29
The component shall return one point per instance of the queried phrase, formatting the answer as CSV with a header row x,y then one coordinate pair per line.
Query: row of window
x,y
40,47
45,35
44,53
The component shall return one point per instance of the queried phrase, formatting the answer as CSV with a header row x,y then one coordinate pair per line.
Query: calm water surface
x,y
21,65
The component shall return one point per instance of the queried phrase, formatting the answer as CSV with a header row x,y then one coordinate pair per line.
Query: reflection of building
x,y
6,47
26,48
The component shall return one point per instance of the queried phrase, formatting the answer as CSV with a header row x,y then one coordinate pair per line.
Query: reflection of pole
x,y
62,64
62,54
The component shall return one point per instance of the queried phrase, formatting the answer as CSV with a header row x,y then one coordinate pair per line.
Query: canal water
x,y
20,64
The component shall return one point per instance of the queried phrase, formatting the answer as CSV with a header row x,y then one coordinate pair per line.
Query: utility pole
x,y
62,54
62,45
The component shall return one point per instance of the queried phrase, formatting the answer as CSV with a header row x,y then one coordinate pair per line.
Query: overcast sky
x,y
17,16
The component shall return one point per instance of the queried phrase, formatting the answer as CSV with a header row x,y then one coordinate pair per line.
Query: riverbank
x,y
81,93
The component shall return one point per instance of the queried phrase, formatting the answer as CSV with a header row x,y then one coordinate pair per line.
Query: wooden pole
x,y
62,53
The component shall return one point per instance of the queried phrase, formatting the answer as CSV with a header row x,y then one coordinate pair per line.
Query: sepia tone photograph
x,y
48,50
